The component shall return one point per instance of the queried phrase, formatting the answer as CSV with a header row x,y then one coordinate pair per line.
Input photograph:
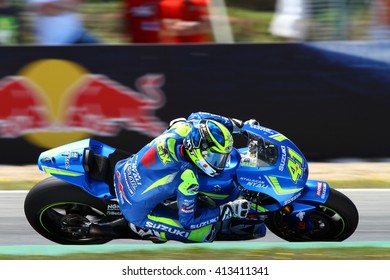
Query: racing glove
x,y
252,121
238,124
235,209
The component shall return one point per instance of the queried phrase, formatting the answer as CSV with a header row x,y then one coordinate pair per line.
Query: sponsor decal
x,y
165,228
113,213
188,206
283,158
212,221
300,215
132,178
113,207
149,157
258,183
261,128
122,195
113,210
163,153
143,232
249,161
51,102
186,210
324,188
69,156
227,213
189,202
67,160
319,189
288,201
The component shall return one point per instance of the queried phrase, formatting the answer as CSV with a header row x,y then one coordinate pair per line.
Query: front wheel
x,y
334,220
63,213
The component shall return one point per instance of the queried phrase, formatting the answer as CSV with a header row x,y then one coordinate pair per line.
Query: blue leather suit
x,y
159,172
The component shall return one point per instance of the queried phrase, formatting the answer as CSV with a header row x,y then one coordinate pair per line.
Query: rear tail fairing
x,y
279,172
67,163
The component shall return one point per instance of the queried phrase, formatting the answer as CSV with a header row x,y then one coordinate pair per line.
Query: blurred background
x,y
314,70
250,20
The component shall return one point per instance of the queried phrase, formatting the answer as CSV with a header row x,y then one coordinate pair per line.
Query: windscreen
x,y
260,152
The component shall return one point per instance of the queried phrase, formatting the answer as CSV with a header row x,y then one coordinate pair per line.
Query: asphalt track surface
x,y
373,206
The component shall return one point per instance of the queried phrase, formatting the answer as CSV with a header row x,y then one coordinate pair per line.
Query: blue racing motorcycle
x,y
77,203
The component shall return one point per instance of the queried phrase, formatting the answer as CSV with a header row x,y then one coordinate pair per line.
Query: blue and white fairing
x,y
272,165
66,163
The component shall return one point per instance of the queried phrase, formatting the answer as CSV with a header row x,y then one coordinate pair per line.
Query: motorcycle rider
x,y
167,168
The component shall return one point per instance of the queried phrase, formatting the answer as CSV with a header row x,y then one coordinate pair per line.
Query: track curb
x,y
58,250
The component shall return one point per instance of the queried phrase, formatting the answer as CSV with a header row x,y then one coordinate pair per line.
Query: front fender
x,y
314,193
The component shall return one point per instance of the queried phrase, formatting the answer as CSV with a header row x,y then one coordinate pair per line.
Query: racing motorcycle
x,y
77,204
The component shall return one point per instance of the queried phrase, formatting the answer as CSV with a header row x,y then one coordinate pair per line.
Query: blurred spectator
x,y
290,20
185,21
58,22
10,24
380,13
142,21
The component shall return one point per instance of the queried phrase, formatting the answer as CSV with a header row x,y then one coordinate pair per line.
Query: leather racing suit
x,y
158,172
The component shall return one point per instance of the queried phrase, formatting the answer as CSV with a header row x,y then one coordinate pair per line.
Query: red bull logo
x,y
51,102
20,111
103,106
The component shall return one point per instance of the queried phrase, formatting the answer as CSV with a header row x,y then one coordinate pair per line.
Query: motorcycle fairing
x,y
272,165
315,193
67,162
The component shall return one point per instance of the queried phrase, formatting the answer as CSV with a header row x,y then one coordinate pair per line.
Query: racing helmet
x,y
208,145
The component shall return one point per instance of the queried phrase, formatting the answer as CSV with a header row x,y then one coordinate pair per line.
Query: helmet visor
x,y
215,160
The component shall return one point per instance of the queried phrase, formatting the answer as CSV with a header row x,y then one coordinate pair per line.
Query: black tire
x,y
335,220
51,201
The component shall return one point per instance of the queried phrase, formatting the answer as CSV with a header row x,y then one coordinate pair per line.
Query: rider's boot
x,y
147,234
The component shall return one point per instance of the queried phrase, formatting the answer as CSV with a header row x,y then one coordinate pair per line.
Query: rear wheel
x,y
335,220
63,213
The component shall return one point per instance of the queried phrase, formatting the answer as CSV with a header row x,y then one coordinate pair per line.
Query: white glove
x,y
252,121
235,209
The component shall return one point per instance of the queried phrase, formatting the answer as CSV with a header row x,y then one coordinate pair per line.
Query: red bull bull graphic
x,y
103,107
52,102
22,109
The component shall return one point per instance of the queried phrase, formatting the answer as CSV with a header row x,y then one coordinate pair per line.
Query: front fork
x,y
298,214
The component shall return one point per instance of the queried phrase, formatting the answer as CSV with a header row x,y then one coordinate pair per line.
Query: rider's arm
x,y
190,216
233,125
